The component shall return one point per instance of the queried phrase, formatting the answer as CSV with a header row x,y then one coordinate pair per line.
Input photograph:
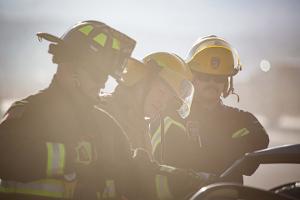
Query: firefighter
x,y
149,89
125,104
213,136
48,137
220,134
162,108
57,145
171,147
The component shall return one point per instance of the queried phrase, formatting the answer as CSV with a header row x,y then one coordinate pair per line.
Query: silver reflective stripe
x,y
46,188
166,168
56,159
162,187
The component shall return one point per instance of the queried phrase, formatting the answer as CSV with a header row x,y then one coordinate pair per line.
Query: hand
x,y
204,178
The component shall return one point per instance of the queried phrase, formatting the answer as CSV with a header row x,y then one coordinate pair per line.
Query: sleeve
x,y
25,157
257,136
252,137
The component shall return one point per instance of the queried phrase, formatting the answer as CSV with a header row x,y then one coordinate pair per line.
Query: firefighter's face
x,y
89,85
157,99
209,87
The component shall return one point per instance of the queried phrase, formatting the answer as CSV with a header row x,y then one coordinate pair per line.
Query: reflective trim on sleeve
x,y
162,187
156,138
56,159
46,188
240,133
110,190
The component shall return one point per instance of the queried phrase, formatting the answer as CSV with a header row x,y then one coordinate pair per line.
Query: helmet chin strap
x,y
162,136
230,90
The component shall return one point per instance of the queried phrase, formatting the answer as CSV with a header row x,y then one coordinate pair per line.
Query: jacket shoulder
x,y
19,108
238,112
252,125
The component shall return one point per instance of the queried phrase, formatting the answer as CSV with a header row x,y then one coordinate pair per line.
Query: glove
x,y
206,178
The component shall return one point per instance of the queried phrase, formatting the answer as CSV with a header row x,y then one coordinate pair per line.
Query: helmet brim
x,y
48,37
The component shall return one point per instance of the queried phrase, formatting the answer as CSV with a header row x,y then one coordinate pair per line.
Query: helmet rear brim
x,y
48,37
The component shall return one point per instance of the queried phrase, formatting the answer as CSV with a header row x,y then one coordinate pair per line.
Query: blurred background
x,y
265,33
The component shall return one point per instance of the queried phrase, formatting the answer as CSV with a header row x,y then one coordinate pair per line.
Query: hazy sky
x,y
259,29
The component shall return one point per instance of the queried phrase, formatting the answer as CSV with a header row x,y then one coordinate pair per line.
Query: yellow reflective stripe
x,y
110,189
110,184
56,159
116,44
156,138
50,159
100,39
156,134
46,187
178,124
240,133
162,187
86,29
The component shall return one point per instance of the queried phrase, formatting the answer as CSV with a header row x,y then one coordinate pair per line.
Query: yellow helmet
x,y
171,68
134,72
213,55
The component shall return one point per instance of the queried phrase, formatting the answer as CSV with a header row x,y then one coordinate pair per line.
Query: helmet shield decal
x,y
213,55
